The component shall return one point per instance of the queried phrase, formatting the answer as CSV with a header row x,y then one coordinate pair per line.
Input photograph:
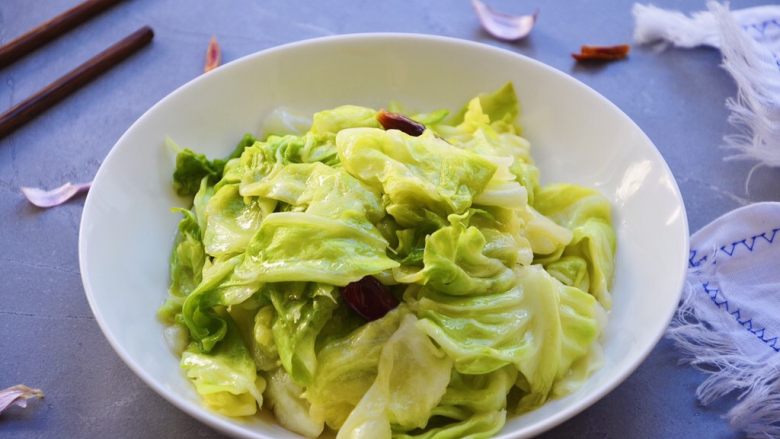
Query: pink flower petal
x,y
17,395
213,55
54,197
504,26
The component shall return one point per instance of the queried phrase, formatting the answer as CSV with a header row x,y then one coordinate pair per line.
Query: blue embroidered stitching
x,y
761,27
735,244
694,264
730,249
747,324
760,33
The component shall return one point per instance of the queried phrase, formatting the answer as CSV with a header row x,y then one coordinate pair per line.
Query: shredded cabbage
x,y
503,283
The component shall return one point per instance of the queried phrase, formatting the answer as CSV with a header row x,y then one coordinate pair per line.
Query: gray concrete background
x,y
48,337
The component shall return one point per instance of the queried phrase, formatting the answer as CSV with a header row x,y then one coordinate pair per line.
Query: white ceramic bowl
x,y
576,136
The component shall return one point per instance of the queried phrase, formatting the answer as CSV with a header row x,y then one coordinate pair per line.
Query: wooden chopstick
x,y
51,29
73,80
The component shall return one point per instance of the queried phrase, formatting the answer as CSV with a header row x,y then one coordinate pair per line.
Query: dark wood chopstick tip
x,y
49,30
147,31
73,80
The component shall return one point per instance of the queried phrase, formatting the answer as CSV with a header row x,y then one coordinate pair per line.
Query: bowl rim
x,y
224,425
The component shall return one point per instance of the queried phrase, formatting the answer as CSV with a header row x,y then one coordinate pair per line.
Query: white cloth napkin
x,y
728,324
749,40
729,321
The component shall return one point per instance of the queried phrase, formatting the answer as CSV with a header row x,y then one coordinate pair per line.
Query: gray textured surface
x,y
48,337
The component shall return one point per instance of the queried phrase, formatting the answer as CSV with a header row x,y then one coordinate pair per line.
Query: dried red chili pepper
x,y
395,121
369,298
602,53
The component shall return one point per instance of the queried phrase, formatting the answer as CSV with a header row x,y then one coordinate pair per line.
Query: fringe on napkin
x,y
655,25
717,353
755,112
